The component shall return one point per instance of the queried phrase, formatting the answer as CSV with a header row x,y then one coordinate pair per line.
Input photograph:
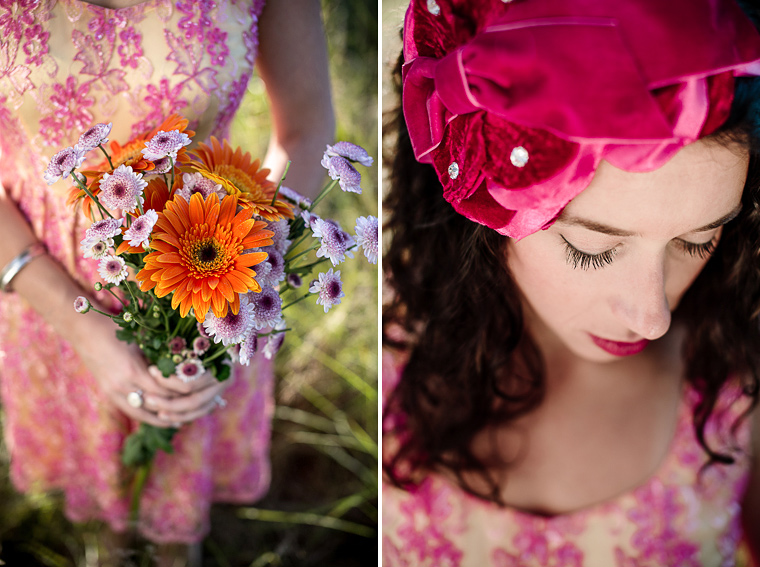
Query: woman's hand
x,y
191,400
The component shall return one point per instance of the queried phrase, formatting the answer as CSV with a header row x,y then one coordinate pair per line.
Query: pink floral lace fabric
x,y
674,518
64,65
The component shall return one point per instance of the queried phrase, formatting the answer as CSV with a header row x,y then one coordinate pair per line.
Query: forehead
x,y
701,183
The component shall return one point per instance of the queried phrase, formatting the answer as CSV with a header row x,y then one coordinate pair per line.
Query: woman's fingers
x,y
174,384
191,406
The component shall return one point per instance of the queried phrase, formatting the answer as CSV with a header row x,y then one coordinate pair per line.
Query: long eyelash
x,y
584,261
702,251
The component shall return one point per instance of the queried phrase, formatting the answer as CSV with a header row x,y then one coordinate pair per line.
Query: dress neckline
x,y
143,4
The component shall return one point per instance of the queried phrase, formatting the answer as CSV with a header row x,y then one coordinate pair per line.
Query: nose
x,y
642,304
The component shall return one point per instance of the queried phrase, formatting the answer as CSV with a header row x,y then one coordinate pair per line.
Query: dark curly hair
x,y
456,315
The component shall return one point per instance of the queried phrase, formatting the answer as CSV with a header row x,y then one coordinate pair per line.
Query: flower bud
x,y
98,286
127,316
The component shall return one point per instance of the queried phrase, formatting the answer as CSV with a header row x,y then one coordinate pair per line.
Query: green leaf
x,y
166,366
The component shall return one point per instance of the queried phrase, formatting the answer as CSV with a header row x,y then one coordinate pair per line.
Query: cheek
x,y
678,281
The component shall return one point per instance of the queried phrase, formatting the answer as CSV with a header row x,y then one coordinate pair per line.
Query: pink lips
x,y
619,349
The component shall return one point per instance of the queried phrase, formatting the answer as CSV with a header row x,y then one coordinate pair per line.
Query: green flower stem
x,y
217,354
102,149
171,162
141,475
309,267
109,290
296,301
128,285
296,245
277,191
161,310
84,188
309,249
323,194
276,332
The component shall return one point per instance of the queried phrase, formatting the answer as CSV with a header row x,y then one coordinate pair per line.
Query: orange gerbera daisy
x,y
240,176
129,154
199,254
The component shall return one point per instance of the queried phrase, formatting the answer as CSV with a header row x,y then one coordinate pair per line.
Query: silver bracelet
x,y
18,263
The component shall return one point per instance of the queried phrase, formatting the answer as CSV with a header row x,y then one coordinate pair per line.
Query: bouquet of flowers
x,y
218,252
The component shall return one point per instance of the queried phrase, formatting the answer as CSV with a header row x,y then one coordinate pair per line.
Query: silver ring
x,y
136,399
220,401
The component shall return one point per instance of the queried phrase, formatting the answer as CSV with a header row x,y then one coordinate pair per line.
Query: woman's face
x,y
603,280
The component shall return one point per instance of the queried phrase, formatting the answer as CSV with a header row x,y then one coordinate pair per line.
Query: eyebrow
x,y
612,231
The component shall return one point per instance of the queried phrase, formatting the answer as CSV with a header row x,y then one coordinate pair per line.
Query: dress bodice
x,y
676,517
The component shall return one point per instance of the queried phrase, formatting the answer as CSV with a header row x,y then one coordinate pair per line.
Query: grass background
x,y
322,506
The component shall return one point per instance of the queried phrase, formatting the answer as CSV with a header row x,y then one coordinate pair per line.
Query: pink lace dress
x,y
64,65
672,519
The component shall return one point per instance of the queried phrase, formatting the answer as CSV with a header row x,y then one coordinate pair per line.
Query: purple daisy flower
x,y
165,144
81,304
94,137
177,345
339,168
123,189
276,272
366,236
295,197
163,165
197,183
189,370
96,251
330,289
349,151
335,242
280,240
294,280
63,163
274,342
309,218
201,345
232,328
248,347
267,307
139,231
113,269
103,230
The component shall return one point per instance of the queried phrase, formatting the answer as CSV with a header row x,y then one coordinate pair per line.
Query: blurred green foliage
x,y
322,506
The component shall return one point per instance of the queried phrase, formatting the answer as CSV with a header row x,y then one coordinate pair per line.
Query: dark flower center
x,y
207,253
333,289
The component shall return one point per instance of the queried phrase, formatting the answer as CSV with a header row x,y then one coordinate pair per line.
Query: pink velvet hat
x,y
515,103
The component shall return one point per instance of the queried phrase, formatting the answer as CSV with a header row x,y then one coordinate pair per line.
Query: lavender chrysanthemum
x,y
96,250
103,230
274,341
81,304
280,240
232,328
163,165
165,144
366,236
63,163
139,231
189,370
201,345
339,168
349,151
334,242
294,280
197,183
309,218
94,137
248,347
275,273
267,307
330,289
113,269
123,189
177,345
295,197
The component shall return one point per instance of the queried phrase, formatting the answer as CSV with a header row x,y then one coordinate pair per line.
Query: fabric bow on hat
x,y
518,114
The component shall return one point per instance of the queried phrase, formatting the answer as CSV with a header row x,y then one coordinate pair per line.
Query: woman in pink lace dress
x,y
65,65
572,344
